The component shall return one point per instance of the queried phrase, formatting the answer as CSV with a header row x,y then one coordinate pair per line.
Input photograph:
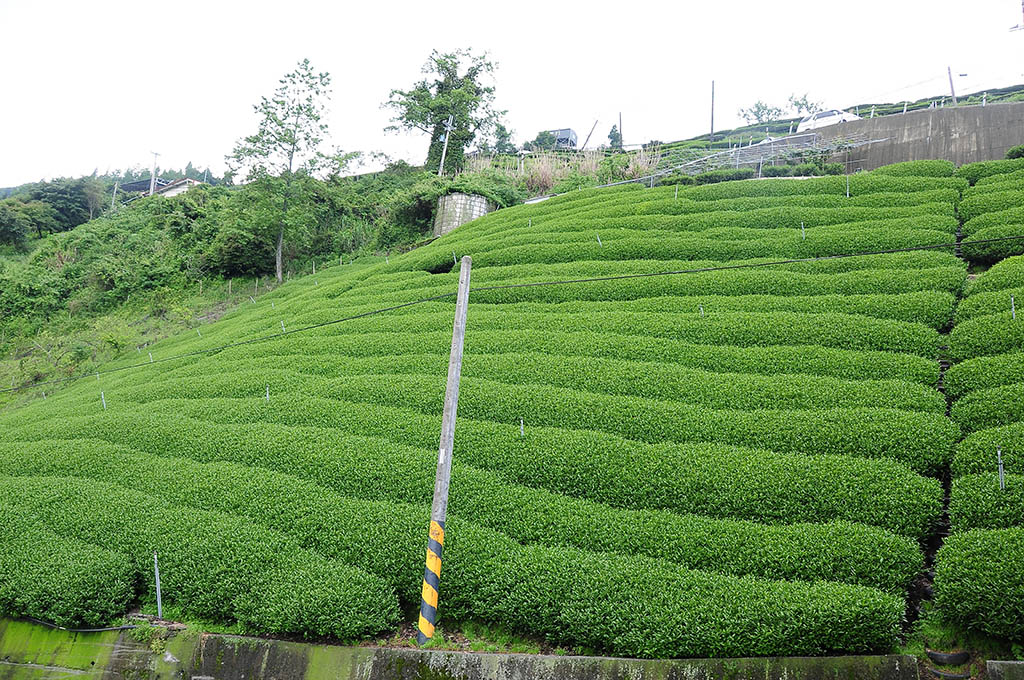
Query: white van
x,y
824,119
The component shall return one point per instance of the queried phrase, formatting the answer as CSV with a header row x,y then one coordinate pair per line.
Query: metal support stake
x,y
159,601
1013,308
1002,480
439,508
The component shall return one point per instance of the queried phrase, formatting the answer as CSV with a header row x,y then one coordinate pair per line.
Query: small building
x,y
564,138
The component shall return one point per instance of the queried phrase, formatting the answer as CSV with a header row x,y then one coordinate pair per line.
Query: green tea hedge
x,y
975,250
59,579
979,581
986,335
921,440
993,219
1006,274
993,407
977,502
838,551
925,168
995,201
327,441
984,373
988,303
213,566
972,172
977,453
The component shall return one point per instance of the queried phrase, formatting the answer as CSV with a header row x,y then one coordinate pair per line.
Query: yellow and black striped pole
x,y
439,508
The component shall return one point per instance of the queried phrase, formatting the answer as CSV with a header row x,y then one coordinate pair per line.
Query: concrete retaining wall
x,y
31,652
962,134
454,210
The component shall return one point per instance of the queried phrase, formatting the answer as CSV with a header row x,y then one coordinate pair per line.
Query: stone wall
x,y
454,210
962,134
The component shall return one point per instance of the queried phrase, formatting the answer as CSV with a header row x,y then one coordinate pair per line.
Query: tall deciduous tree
x,y
457,84
761,113
286,150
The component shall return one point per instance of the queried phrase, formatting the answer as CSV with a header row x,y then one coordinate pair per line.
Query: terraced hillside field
x,y
741,460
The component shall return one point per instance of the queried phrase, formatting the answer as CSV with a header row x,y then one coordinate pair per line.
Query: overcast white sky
x,y
100,84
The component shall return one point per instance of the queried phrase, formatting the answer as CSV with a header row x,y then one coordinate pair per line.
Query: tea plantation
x,y
741,458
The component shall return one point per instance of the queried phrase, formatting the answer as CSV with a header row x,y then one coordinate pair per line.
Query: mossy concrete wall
x,y
454,210
29,652
1005,670
962,134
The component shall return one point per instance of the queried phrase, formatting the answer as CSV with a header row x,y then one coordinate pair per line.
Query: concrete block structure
x,y
456,209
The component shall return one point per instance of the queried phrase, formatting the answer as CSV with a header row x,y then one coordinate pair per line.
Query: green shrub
x,y
1000,178
997,250
833,169
979,581
994,219
983,304
984,373
723,175
993,407
838,551
977,453
214,567
805,170
923,441
773,360
777,171
990,202
977,502
1006,274
926,168
713,244
346,439
985,336
59,579
1015,152
973,172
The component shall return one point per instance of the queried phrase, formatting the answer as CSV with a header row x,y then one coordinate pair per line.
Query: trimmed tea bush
x,y
984,373
979,581
59,579
977,502
972,172
926,168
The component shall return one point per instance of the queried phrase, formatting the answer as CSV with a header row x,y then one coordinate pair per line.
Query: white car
x,y
824,119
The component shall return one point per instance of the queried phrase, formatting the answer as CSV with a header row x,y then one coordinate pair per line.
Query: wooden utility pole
x,y
444,150
439,508
622,141
952,92
587,141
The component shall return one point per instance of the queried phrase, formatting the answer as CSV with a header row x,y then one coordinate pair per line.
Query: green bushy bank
x,y
771,360
985,336
925,168
988,303
977,453
838,551
984,373
977,502
649,380
921,440
979,581
337,438
1010,242
992,407
59,579
999,218
715,244
996,201
1006,274
215,567
973,172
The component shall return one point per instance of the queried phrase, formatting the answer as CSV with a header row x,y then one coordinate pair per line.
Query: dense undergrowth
x,y
732,462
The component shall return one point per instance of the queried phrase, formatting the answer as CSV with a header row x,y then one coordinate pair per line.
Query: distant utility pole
x,y
113,197
152,177
448,127
587,140
952,92
621,141
711,139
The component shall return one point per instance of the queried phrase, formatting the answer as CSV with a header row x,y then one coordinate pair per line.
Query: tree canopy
x,y
457,84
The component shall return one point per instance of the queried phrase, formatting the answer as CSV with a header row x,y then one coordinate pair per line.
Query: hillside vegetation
x,y
732,460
